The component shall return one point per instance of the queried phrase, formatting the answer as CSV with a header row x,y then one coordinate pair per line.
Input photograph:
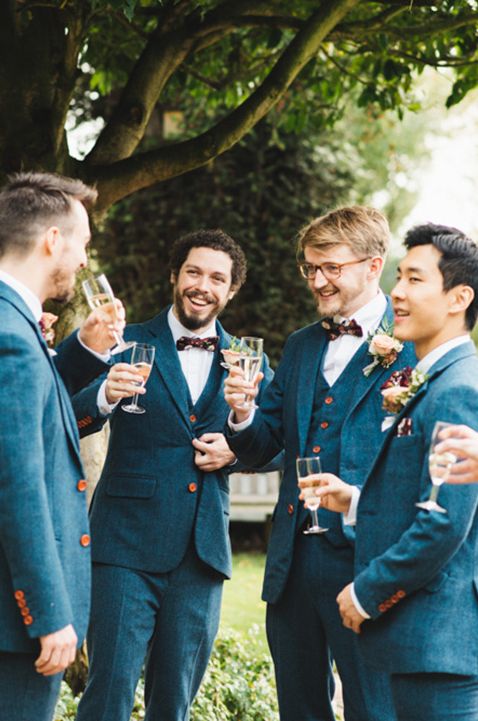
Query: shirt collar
x,y
28,297
178,329
431,358
369,315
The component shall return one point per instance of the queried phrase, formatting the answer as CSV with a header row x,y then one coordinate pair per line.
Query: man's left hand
x,y
97,331
351,618
212,452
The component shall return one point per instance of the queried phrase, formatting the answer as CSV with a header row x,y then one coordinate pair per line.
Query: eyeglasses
x,y
331,271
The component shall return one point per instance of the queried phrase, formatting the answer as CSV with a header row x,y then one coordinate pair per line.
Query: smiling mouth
x,y
199,302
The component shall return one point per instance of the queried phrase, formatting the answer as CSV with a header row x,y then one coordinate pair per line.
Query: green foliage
x,y
261,193
238,685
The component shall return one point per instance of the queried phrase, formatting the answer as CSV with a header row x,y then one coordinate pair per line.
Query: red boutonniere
x,y
400,388
47,321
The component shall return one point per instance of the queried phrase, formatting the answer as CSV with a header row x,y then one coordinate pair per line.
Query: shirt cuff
x,y
104,407
350,518
356,602
105,357
236,427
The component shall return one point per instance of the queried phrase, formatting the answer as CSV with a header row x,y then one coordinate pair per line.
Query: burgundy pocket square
x,y
405,427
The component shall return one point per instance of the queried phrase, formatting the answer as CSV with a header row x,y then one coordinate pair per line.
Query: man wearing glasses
x,y
322,403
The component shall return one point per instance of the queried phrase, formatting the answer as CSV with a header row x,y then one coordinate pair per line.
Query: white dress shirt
x,y
423,366
195,363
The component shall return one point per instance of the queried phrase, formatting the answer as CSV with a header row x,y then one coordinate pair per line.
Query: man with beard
x,y
44,538
160,512
321,402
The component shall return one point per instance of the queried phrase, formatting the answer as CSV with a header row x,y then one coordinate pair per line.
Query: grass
x,y
242,607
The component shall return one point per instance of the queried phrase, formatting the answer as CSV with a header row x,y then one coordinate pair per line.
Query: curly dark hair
x,y
459,262
216,239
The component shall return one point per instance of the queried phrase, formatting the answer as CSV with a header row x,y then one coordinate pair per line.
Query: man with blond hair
x,y
322,403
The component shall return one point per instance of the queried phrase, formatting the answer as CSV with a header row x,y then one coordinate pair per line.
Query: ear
x,y
461,297
376,266
231,294
172,278
52,240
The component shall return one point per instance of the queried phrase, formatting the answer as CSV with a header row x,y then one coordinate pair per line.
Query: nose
x,y
203,283
320,281
398,290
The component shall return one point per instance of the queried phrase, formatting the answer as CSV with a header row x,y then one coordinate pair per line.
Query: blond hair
x,y
365,230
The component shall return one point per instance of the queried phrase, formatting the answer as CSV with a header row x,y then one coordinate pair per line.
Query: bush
x,y
238,685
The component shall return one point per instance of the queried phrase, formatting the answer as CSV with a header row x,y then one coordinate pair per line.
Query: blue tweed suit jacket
x,y
283,422
44,568
415,571
152,499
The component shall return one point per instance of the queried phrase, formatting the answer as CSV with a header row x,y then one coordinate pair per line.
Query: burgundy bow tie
x,y
186,343
335,330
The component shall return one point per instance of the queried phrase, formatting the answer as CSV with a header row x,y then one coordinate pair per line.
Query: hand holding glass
x,y
142,359
99,294
250,360
308,467
439,465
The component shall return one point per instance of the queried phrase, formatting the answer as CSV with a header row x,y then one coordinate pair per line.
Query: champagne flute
x,y
142,359
250,360
306,467
439,466
99,294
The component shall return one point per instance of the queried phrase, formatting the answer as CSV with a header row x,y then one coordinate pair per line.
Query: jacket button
x,y
382,608
25,611
400,594
21,603
85,540
324,424
19,594
192,488
316,449
290,509
82,485
28,620
192,418
329,400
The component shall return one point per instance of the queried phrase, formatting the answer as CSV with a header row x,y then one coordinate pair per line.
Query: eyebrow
x,y
410,269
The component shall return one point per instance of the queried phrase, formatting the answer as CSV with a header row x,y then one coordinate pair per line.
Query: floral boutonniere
x,y
400,388
47,321
383,347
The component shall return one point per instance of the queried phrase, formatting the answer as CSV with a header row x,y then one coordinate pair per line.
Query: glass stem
x,y
315,518
434,493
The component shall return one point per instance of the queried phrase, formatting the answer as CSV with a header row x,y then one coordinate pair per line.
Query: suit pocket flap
x,y
436,582
131,485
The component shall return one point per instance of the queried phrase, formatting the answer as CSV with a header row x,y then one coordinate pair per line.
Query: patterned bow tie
x,y
336,330
186,343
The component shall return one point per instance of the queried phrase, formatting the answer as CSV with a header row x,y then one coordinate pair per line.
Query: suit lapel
x,y
65,406
310,361
167,363
212,389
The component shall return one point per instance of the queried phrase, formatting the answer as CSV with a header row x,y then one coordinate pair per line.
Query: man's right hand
x,y
58,651
235,391
334,494
122,382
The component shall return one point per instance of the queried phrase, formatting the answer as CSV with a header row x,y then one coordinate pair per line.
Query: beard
x,y
192,322
63,286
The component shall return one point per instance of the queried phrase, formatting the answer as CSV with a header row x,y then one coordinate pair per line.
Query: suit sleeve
x,y
27,535
76,365
432,539
257,445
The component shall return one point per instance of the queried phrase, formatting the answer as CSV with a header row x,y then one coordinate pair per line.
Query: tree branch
x,y
126,176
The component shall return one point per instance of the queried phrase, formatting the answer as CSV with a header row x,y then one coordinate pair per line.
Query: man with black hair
x,y
160,513
415,568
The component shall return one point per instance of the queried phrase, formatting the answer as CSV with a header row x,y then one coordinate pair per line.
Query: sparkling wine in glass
x,y
439,465
99,294
142,359
306,467
250,360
